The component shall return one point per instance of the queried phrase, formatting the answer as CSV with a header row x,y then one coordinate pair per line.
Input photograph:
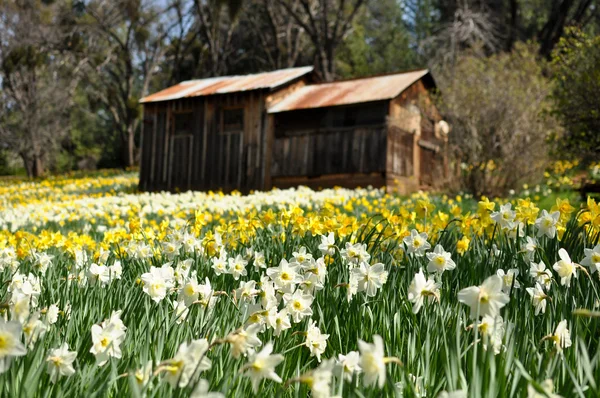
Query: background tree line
x,y
512,74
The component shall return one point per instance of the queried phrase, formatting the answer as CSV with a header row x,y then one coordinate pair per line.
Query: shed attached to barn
x,y
280,129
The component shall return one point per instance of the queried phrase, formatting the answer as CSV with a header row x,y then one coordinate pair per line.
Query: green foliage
x,y
439,347
379,43
496,106
576,63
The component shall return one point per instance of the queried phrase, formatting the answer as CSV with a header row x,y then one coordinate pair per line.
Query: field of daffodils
x,y
293,293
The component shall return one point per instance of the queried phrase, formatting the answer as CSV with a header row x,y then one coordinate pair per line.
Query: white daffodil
x,y
509,280
349,364
539,298
259,260
42,262
237,267
268,295
158,281
107,338
592,258
315,340
181,311
561,336
440,260
262,366
206,295
491,328
246,291
529,248
302,257
547,390
373,361
505,216
565,268
220,263
52,314
370,278
420,289
486,299
298,305
285,276
546,224
327,245
319,379
115,271
20,307
171,248
541,274
314,276
98,274
355,253
34,328
188,363
183,269
60,362
10,343
416,243
142,375
189,291
278,321
202,391
244,339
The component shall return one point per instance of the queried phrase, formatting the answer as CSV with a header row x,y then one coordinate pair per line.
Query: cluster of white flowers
x,y
107,338
17,217
486,301
31,322
8,259
424,288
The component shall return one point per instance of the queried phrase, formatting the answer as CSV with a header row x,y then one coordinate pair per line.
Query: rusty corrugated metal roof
x,y
228,84
348,92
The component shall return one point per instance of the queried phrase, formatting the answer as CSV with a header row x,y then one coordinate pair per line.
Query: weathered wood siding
x,y
203,158
322,147
393,143
430,162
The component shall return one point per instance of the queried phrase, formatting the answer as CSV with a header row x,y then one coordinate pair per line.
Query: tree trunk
x,y
27,164
38,166
129,148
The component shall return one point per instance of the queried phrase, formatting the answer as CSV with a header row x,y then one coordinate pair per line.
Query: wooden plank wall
x,y
205,159
431,157
400,152
339,151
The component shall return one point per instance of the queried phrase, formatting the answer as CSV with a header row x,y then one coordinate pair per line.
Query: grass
x,y
438,348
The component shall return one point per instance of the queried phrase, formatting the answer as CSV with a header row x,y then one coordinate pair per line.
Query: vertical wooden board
x,y
206,154
277,151
377,154
241,175
285,164
310,154
160,151
355,152
298,155
345,164
167,151
318,156
196,153
234,159
294,155
307,154
304,155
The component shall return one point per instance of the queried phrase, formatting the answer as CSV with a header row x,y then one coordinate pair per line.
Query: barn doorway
x,y
181,145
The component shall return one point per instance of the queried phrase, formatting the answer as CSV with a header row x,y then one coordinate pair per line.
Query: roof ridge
x,y
372,76
308,67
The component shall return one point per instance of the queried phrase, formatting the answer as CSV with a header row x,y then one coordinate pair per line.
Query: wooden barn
x,y
282,129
